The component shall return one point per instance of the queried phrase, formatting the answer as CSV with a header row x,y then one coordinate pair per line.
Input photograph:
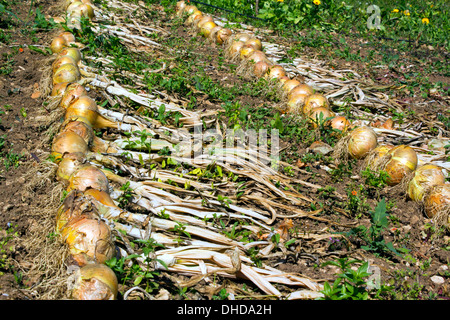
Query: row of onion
x,y
423,183
88,237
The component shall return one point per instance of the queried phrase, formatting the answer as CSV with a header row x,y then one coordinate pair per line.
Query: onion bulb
x,y
190,9
276,72
425,177
290,84
255,43
340,123
88,176
203,20
235,48
362,140
194,17
246,51
73,206
81,9
261,68
375,158
257,56
180,6
62,60
95,281
242,37
402,161
223,35
66,73
436,202
58,43
66,143
68,36
295,103
89,240
301,89
318,115
85,109
313,101
59,89
206,28
72,92
67,166
101,196
80,128
213,34
75,53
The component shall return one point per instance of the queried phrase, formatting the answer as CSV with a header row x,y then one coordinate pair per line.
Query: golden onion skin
x,y
58,44
403,161
319,115
425,177
290,84
276,72
340,123
301,89
255,43
376,156
295,103
314,101
223,35
62,60
95,281
84,107
80,128
88,176
362,141
436,201
59,89
261,68
68,143
66,73
72,92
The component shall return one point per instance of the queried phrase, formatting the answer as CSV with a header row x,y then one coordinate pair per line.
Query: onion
x,y
101,196
313,101
340,123
257,56
180,6
67,166
318,115
295,103
72,92
436,202
301,89
73,206
242,37
75,53
190,9
66,143
59,19
82,129
66,73
425,177
261,68
82,9
68,36
206,28
402,161
362,140
59,89
95,281
89,240
375,158
276,72
88,176
204,20
223,35
62,60
246,51
290,84
85,109
235,48
194,17
58,43
255,43
213,34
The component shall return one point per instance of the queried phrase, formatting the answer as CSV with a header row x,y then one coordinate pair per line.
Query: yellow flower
x,y
406,13
425,21
280,0
316,2
395,10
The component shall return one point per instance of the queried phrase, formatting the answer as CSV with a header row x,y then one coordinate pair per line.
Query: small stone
x,y
437,279
320,147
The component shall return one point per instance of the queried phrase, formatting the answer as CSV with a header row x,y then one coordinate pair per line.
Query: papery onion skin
x,y
89,240
68,36
246,51
235,48
362,140
340,123
190,9
59,89
403,161
102,196
436,201
319,115
261,68
301,89
376,156
425,177
95,281
258,56
194,17
80,128
66,73
74,206
83,107
66,167
88,176
313,101
223,35
295,103
242,37
276,72
206,28
290,84
255,43
58,44
204,20
72,92
180,6
68,142
63,60
75,53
